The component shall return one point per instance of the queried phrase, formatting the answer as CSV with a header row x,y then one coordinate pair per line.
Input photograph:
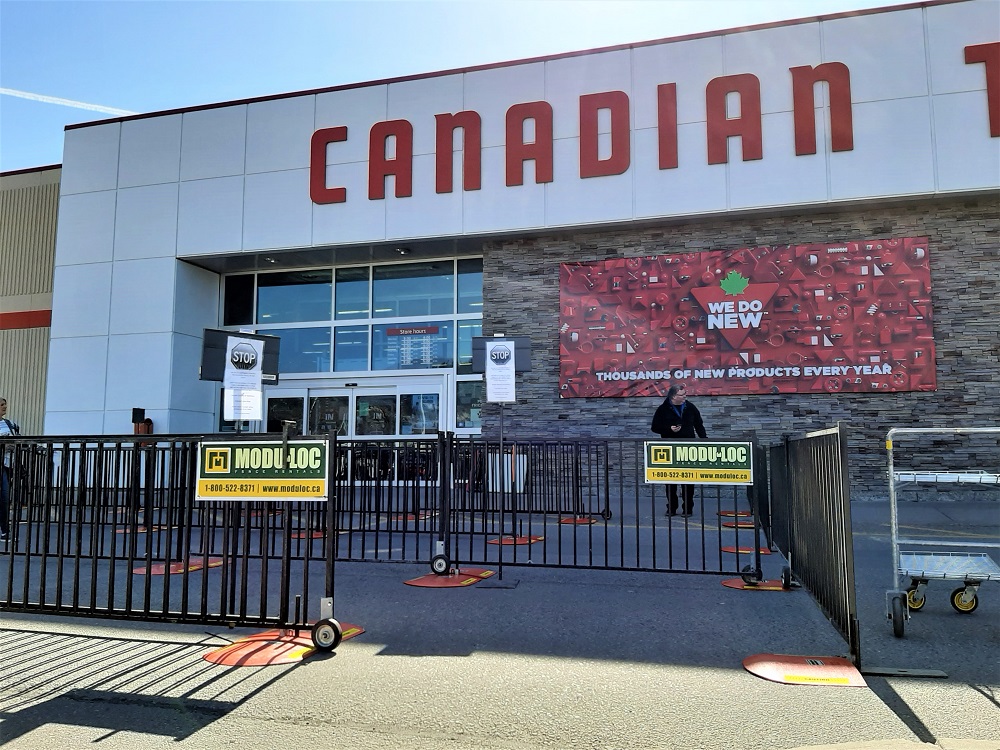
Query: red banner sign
x,y
852,317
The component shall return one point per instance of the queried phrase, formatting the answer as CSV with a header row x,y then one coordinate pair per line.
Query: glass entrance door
x,y
402,407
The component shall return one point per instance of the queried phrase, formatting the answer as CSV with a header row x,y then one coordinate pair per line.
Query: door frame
x,y
398,385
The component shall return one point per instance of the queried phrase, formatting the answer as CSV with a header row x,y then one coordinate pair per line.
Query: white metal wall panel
x,y
146,222
210,216
90,159
213,143
150,151
86,228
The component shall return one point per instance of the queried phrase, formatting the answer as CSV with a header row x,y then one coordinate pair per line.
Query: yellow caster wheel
x,y
915,600
964,600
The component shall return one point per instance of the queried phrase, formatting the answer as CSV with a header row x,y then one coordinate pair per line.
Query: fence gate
x,y
538,502
811,523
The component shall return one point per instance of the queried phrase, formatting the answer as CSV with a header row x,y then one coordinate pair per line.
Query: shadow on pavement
x,y
117,685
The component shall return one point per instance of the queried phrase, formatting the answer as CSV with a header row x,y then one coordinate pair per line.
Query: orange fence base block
x,y
272,647
304,635
177,567
735,513
308,534
737,524
831,671
140,529
259,653
744,550
455,579
508,540
739,583
264,513
583,520
421,516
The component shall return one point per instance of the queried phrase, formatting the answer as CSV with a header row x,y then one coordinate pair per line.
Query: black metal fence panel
x,y
553,503
811,523
109,526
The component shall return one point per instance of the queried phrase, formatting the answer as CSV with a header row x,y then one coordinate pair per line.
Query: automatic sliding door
x,y
419,413
375,412
330,414
282,406
407,407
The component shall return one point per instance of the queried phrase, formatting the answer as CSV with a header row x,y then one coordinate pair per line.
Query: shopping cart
x,y
954,563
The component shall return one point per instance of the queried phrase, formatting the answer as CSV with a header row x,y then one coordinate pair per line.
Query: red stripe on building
x,y
25,319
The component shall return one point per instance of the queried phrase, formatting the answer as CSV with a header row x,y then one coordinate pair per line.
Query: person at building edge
x,y
7,429
678,419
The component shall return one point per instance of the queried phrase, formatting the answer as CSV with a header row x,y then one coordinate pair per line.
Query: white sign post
x,y
243,397
500,389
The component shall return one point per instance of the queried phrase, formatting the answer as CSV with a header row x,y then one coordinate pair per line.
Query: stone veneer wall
x,y
521,289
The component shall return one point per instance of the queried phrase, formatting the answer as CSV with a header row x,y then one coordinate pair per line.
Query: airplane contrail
x,y
65,102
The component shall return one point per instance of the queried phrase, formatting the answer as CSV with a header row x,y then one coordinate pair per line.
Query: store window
x,y
470,285
303,349
412,346
294,297
352,293
362,319
350,348
411,289
469,404
467,330
237,307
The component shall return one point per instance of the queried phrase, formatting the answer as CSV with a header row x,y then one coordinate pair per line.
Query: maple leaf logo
x,y
734,284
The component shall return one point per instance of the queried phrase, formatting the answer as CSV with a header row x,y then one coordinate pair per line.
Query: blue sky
x,y
152,55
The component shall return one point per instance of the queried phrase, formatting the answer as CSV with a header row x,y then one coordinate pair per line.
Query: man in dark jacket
x,y
7,429
678,419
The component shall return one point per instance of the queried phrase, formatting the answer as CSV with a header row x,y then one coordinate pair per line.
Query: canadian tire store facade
x,y
803,236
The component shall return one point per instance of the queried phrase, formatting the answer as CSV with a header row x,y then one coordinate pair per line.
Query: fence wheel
x,y
750,576
327,634
786,577
440,564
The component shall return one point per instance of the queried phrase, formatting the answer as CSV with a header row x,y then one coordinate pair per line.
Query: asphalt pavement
x,y
544,658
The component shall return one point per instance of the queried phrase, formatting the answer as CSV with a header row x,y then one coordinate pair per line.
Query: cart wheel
x,y
786,577
962,603
327,634
440,564
750,576
606,514
898,615
915,600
